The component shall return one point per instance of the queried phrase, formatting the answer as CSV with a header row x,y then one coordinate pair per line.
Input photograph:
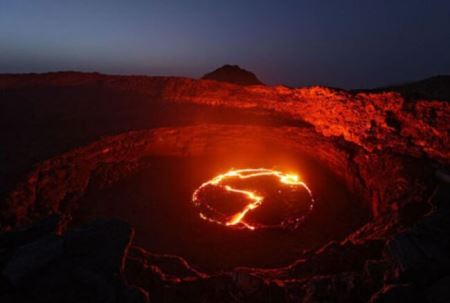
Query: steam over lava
x,y
235,199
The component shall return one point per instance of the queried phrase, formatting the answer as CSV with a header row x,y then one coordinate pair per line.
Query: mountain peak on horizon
x,y
233,74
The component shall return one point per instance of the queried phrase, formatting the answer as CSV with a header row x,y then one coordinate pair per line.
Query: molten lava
x,y
253,198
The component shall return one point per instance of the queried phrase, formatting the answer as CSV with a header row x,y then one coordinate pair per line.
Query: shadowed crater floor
x,y
157,201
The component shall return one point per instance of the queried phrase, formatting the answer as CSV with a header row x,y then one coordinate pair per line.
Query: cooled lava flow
x,y
253,199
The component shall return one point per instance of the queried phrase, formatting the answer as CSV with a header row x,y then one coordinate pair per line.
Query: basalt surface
x,y
374,121
384,148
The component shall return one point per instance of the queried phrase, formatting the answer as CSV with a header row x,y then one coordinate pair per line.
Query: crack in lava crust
x,y
255,200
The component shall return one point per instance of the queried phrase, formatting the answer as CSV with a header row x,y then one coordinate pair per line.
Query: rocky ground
x,y
389,149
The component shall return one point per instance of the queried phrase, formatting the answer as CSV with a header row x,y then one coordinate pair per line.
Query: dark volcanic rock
x,y
397,293
437,88
51,224
101,245
172,267
133,294
422,254
439,292
33,257
345,287
418,257
233,74
83,265
335,258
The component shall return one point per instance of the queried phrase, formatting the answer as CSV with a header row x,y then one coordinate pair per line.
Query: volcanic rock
x,y
397,293
233,74
374,271
101,245
375,121
247,282
384,146
132,294
437,87
337,288
82,265
422,253
335,258
439,292
33,257
172,267
16,238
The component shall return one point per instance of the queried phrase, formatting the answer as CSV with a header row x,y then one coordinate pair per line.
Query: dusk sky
x,y
348,44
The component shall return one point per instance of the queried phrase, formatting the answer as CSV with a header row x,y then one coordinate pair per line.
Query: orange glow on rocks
x,y
252,198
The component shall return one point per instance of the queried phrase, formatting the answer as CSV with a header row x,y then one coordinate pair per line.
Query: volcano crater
x,y
369,159
148,177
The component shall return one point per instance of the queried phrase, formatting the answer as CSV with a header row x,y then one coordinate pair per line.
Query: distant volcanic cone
x,y
233,74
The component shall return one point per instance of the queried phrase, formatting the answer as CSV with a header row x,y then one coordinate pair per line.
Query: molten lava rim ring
x,y
256,200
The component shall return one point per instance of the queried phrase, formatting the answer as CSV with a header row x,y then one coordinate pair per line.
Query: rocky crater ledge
x,y
41,264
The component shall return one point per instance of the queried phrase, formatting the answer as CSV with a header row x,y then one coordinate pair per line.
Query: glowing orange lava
x,y
254,199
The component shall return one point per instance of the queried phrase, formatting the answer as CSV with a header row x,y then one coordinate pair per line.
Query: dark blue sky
x,y
346,44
